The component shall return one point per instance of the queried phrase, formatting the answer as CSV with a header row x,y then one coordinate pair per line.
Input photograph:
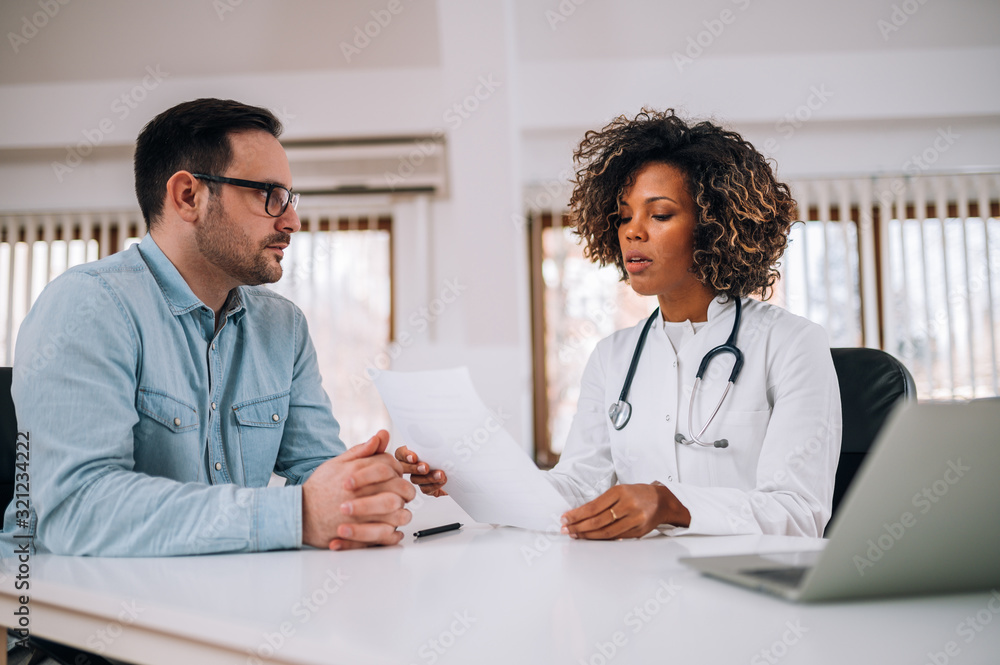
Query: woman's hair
x,y
743,213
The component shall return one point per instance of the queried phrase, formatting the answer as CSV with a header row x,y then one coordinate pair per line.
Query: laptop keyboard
x,y
790,576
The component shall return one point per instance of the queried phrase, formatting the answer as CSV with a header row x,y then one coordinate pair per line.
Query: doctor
x,y
692,214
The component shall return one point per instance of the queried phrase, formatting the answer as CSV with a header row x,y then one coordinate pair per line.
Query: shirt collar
x,y
716,309
179,296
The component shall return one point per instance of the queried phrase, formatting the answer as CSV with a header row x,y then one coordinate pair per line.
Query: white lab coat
x,y
782,419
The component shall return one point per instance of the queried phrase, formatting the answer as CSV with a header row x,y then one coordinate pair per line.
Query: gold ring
x,y
613,516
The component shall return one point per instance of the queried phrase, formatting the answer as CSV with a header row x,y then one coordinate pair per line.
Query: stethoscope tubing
x,y
621,411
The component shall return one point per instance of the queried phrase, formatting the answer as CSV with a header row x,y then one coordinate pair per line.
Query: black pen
x,y
437,529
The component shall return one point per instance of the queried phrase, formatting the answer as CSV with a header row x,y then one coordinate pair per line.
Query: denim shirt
x,y
154,432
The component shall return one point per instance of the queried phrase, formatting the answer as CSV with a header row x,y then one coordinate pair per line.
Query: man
x,y
161,386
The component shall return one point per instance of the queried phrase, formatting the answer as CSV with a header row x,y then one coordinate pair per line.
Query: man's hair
x,y
743,213
193,136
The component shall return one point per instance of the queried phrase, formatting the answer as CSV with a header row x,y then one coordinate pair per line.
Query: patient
x,y
163,385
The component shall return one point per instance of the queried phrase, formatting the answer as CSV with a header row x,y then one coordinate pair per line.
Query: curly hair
x,y
743,214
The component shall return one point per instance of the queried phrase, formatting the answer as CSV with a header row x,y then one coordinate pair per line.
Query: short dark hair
x,y
743,212
193,136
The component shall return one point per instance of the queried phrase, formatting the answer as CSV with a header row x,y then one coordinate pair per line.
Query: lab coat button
x,y
668,417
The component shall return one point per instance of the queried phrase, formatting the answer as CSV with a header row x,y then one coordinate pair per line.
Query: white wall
x,y
558,67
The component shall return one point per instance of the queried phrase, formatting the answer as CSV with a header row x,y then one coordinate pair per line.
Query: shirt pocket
x,y
167,439
261,424
172,413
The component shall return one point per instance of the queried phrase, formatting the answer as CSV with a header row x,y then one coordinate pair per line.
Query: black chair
x,y
8,439
871,383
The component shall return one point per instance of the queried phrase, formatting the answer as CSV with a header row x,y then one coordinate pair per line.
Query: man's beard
x,y
226,245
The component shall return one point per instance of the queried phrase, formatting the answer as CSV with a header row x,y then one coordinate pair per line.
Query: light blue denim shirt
x,y
152,432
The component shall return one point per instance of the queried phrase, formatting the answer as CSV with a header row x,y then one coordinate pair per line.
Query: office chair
x,y
8,439
871,383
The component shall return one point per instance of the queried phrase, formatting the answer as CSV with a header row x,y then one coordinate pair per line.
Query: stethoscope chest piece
x,y
620,412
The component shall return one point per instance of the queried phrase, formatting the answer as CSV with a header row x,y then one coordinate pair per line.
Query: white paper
x,y
440,417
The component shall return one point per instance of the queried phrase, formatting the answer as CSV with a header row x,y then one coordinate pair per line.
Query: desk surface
x,y
482,595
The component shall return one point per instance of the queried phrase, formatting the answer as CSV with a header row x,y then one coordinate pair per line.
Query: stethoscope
x,y
621,411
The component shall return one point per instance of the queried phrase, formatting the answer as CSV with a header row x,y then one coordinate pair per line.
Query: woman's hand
x,y
429,481
625,511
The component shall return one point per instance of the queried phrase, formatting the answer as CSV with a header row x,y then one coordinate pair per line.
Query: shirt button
x,y
670,477
213,346
668,417
213,406
675,362
275,418
218,466
177,422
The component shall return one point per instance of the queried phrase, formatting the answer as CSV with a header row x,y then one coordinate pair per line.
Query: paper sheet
x,y
439,416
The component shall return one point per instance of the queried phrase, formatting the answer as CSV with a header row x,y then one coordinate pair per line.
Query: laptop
x,y
922,516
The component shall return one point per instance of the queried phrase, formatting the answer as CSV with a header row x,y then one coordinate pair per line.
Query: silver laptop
x,y
922,516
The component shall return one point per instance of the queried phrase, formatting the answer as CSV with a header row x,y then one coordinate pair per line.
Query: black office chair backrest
x,y
8,438
871,383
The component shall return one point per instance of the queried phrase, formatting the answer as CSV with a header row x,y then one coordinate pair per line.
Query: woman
x,y
693,215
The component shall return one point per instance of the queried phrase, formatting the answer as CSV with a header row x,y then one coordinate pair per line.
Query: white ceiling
x,y
117,39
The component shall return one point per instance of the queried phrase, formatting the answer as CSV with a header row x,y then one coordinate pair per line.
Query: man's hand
x,y
356,499
431,482
626,511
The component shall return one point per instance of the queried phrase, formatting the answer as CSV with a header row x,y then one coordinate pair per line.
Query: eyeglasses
x,y
278,197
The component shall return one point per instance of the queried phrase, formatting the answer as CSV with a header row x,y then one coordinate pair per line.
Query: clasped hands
x,y
624,511
356,499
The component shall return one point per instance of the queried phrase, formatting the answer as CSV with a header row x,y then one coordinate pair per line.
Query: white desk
x,y
481,595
